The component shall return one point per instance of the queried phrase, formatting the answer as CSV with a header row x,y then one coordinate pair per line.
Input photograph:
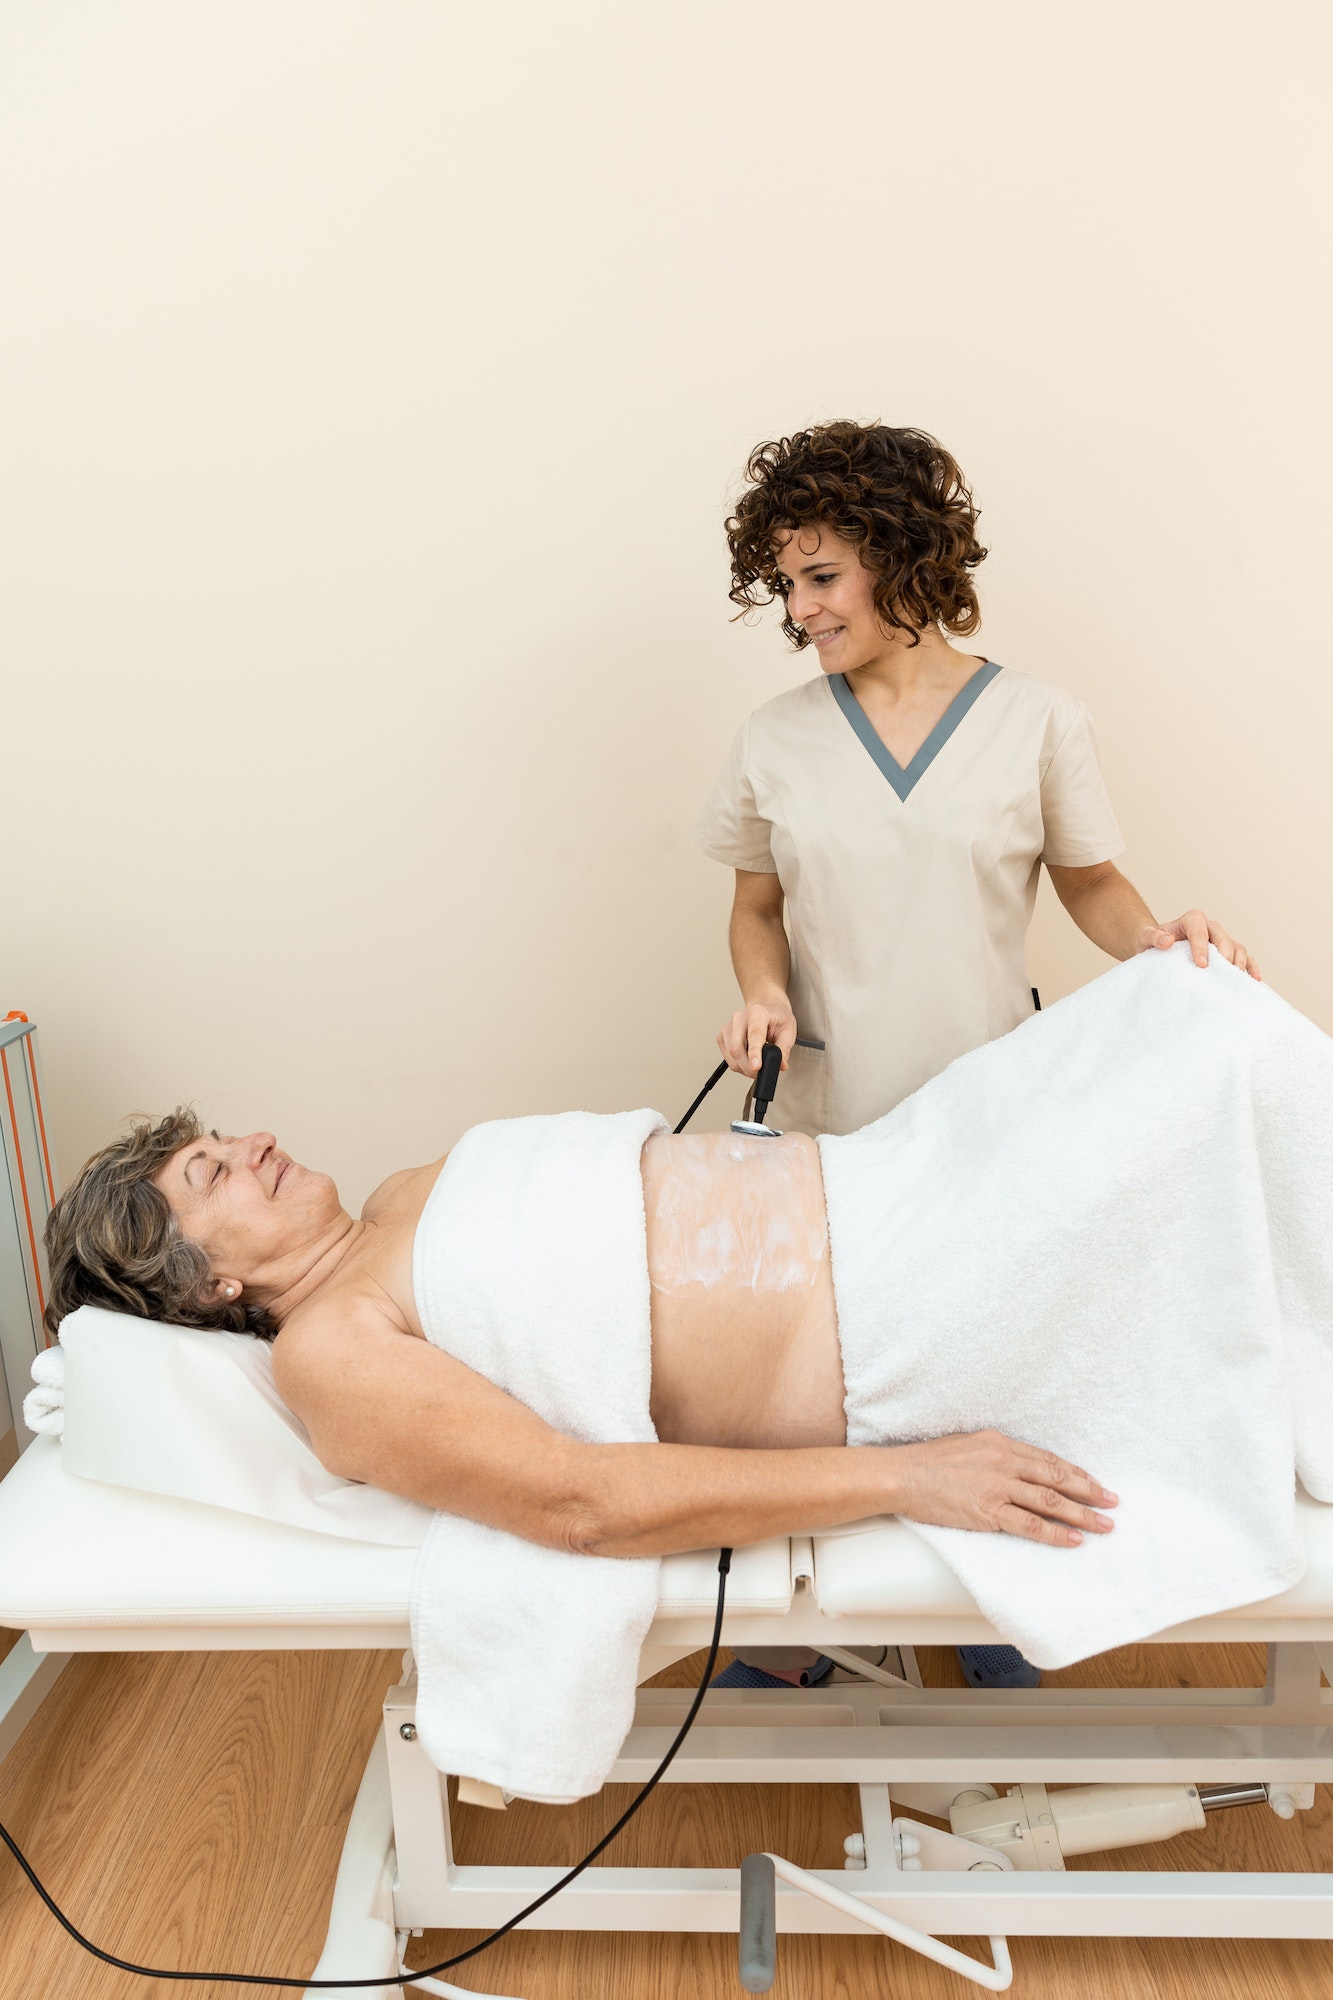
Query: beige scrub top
x,y
908,891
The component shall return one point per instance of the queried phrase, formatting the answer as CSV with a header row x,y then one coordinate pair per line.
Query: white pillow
x,y
195,1415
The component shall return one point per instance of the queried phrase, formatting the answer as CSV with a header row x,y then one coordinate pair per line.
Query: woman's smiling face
x,y
832,595
247,1204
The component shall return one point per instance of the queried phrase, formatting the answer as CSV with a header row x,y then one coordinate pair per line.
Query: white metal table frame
x,y
904,1747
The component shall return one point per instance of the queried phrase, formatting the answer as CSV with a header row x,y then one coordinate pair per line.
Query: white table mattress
x,y
77,1556
85,1565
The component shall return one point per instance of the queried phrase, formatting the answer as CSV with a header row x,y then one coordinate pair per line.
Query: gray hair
x,y
113,1240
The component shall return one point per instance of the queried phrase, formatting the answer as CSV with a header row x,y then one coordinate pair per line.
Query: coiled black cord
x,y
424,1971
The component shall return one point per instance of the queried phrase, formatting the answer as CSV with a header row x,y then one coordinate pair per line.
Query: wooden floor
x,y
188,1809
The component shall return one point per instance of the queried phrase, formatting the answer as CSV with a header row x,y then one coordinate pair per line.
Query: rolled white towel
x,y
44,1406
48,1368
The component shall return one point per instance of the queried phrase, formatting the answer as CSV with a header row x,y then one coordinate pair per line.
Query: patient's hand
x,y
982,1479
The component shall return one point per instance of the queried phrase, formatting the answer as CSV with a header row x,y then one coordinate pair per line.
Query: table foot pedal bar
x,y
445,1990
758,1928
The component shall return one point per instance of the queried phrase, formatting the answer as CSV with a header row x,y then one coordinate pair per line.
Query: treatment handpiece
x,y
765,1086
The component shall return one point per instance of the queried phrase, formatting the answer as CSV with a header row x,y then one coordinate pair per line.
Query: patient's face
x,y
247,1204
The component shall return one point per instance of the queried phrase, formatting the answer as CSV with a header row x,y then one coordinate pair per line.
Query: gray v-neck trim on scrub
x,y
902,779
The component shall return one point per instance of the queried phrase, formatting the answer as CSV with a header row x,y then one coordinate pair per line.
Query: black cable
x,y
425,1971
716,1077
723,1566
445,1964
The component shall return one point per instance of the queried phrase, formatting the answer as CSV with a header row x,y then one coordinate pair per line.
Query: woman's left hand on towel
x,y
984,1480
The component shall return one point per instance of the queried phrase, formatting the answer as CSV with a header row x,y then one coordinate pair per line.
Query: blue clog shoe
x,y
739,1675
997,1667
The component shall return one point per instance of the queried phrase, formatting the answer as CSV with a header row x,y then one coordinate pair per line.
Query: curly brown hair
x,y
896,493
113,1241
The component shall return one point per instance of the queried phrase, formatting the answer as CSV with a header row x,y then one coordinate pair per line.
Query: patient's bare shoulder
x,y
407,1416
405,1190
369,1297
324,1344
319,1335
323,1349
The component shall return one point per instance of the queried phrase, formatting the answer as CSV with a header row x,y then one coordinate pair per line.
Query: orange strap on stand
x,y
30,1065
23,1182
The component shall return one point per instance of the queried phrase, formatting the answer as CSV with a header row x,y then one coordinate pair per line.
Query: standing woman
x,y
893,813
888,820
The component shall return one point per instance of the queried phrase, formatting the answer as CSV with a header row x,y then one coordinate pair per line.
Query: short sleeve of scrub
x,y
731,828
1080,827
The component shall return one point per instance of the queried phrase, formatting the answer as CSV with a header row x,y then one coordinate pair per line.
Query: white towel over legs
x,y
531,1266
1111,1234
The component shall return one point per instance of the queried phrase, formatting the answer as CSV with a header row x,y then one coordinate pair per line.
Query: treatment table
x,y
86,1567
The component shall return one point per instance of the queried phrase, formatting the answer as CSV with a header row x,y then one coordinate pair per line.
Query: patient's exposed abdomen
x,y
745,1347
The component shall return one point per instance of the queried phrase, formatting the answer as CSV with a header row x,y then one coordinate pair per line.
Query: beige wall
x,y
374,381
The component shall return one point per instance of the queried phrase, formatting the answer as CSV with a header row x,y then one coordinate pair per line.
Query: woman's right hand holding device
x,y
742,1038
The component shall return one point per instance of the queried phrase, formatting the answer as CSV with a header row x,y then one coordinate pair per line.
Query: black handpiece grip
x,y
759,1924
766,1083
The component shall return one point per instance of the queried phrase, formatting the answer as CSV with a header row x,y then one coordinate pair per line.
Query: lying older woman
x,y
203,1229
1108,1230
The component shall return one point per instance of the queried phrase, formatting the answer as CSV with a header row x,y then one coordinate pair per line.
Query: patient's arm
x,y
393,1411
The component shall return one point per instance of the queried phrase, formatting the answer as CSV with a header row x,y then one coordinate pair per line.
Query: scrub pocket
x,y
802,1100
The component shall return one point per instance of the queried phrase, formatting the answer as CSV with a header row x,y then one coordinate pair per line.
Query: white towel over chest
x,y
531,1266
